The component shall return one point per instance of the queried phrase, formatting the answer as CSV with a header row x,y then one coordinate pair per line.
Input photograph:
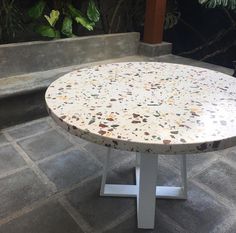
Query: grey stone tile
x,y
70,168
44,145
221,178
98,211
130,226
229,154
125,172
193,160
73,138
50,218
29,129
3,139
100,152
199,213
232,229
10,159
226,152
19,190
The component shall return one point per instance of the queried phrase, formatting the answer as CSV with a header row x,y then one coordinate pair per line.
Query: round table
x,y
149,108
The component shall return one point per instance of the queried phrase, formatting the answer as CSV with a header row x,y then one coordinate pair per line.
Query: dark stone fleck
x,y
202,147
182,140
114,126
102,132
135,115
115,142
216,144
136,122
174,132
103,125
166,141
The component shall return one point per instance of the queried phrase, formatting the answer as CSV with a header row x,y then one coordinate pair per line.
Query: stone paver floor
x,y
49,183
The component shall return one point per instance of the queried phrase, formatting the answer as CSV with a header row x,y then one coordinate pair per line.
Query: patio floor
x,y
49,183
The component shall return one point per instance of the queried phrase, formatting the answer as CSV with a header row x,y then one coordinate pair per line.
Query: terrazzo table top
x,y
147,107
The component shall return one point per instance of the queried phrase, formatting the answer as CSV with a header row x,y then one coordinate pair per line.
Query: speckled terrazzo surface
x,y
148,107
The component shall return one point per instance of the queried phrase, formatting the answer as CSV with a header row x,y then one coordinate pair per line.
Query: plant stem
x,y
114,14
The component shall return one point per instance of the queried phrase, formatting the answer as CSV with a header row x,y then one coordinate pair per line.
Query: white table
x,y
149,108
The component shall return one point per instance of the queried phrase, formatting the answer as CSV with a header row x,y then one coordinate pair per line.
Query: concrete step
x,y
22,96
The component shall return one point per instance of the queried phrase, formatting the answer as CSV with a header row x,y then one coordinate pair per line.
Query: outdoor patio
x,y
50,180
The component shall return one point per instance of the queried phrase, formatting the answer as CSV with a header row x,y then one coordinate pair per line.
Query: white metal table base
x,y
145,189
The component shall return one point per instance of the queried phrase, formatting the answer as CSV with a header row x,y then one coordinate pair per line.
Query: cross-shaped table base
x,y
145,189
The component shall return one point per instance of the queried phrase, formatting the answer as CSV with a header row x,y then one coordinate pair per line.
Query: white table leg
x,y
183,168
105,171
146,196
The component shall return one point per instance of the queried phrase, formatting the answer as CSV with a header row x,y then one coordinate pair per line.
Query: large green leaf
x,y
172,14
47,31
79,18
67,27
85,23
231,4
92,12
36,11
53,18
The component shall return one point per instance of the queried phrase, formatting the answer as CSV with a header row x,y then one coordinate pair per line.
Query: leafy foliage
x,y
36,11
231,4
79,18
92,12
48,31
67,27
66,15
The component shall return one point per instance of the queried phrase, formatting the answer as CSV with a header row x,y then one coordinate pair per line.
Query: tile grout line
x,y
50,157
225,225
224,201
201,168
32,135
229,162
25,210
122,218
14,171
172,223
94,158
5,144
18,126
78,218
44,179
64,133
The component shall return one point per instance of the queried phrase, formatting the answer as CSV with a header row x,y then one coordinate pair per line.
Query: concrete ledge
x,y
154,50
19,109
21,58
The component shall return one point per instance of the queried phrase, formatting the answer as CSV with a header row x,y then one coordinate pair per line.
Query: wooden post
x,y
154,21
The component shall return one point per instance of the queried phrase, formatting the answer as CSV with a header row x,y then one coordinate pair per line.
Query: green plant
x,y
172,14
231,4
62,16
11,20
